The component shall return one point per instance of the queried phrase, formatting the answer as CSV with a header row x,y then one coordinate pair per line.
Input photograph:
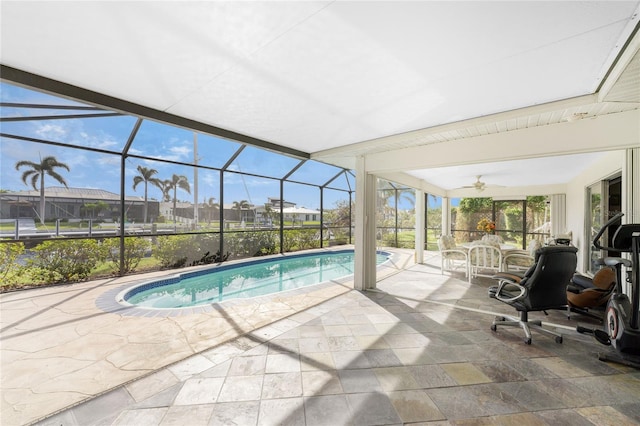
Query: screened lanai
x,y
121,177
529,110
255,128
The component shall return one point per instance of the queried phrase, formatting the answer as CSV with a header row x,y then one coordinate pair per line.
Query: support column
x,y
558,214
446,216
365,227
420,226
631,186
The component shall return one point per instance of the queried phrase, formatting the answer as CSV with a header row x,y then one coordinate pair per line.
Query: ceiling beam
x,y
602,133
491,119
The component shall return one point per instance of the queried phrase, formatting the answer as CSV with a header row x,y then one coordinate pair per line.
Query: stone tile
x,y
164,398
465,373
262,349
410,340
350,360
367,329
372,409
316,361
282,385
337,330
532,395
449,338
143,388
413,356
356,318
415,406
604,416
190,366
307,331
529,368
445,354
102,407
281,363
336,318
199,391
67,418
431,376
631,410
463,402
342,343
363,380
610,390
220,370
197,415
315,383
371,342
281,345
285,412
382,358
528,419
329,410
563,417
140,417
235,413
499,371
395,378
248,365
313,344
561,367
241,388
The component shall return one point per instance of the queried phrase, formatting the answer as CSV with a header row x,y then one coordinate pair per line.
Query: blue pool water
x,y
244,280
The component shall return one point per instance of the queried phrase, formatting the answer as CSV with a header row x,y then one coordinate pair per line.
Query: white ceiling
x,y
519,173
342,78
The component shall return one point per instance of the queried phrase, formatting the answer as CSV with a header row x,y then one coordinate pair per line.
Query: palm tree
x,y
241,205
165,187
36,175
211,207
146,176
177,181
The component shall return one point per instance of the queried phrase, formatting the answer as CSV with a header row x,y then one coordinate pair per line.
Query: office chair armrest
x,y
512,277
575,289
504,282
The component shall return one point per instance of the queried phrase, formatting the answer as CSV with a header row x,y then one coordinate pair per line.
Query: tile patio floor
x,y
417,350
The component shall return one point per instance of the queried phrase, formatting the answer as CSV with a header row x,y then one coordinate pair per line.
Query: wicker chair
x,y
452,257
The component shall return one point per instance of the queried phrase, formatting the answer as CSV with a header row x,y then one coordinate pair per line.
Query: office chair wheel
x,y
528,341
494,327
558,339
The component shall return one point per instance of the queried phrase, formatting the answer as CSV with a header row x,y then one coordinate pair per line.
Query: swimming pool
x,y
245,280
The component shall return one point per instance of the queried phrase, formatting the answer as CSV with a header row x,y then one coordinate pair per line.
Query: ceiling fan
x,y
478,184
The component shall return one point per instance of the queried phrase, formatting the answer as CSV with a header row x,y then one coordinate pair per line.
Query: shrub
x,y
134,250
10,269
300,239
173,251
65,260
176,251
251,243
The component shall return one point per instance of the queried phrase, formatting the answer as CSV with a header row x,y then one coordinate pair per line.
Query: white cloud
x,y
51,131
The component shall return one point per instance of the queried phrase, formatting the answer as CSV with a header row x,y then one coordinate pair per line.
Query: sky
x,y
161,144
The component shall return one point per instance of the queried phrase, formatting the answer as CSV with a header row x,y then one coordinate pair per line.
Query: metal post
x,y
195,180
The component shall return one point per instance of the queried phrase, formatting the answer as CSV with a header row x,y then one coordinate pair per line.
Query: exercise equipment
x,y
621,321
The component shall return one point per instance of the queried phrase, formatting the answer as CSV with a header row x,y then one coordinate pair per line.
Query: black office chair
x,y
541,287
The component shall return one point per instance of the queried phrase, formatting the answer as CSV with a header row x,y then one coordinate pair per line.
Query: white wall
x,y
576,203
